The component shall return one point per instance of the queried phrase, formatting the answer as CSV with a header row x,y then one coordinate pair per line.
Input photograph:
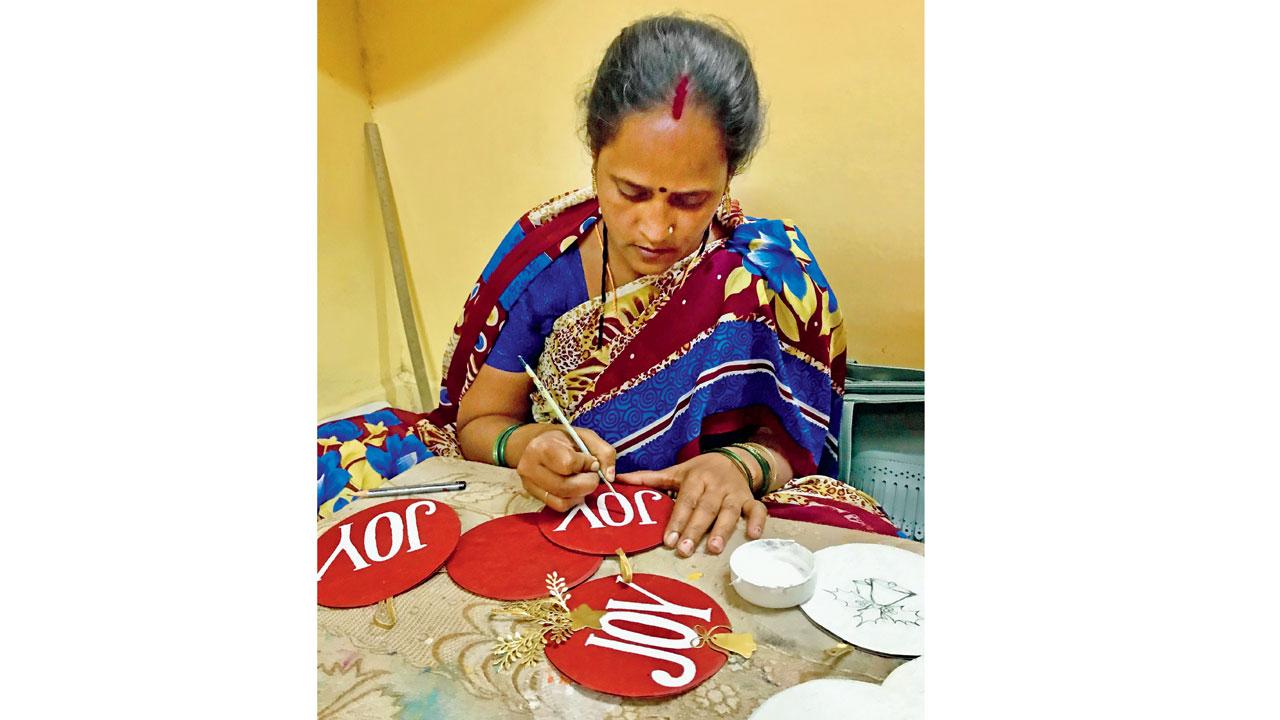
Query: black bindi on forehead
x,y
662,189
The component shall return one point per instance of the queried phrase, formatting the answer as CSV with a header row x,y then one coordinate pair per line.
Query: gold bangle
x,y
766,472
772,456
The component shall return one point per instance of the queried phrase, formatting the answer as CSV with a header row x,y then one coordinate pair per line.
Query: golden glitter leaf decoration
x,y
558,590
554,623
532,610
558,630
518,649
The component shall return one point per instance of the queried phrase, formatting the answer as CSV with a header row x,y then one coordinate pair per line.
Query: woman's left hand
x,y
709,489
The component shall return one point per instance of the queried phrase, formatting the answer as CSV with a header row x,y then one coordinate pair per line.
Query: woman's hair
x,y
645,63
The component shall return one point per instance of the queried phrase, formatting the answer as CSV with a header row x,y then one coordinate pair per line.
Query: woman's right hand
x,y
555,471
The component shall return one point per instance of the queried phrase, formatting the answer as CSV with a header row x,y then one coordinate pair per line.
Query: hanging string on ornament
x,y
743,644
624,566
384,613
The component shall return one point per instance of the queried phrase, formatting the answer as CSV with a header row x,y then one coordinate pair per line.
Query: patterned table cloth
x,y
435,663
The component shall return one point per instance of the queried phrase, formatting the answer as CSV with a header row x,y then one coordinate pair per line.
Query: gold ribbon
x,y
741,643
704,637
384,615
624,566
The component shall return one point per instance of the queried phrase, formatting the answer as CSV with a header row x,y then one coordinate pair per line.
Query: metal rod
x,y
395,247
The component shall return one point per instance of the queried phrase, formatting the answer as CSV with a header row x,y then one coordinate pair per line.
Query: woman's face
x,y
659,182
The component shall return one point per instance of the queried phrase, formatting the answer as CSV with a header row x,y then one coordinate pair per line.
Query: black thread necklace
x,y
604,275
607,274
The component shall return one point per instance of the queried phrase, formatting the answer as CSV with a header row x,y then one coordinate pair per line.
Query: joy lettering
x,y
605,517
638,643
397,525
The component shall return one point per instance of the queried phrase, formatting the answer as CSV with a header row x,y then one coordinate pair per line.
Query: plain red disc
x,y
508,559
611,659
383,550
604,522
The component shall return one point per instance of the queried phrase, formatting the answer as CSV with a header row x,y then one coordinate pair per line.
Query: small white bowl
x,y
773,573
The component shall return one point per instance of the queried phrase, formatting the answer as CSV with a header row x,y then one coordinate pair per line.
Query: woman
x,y
693,348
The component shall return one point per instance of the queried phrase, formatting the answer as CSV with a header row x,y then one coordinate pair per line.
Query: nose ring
x,y
671,230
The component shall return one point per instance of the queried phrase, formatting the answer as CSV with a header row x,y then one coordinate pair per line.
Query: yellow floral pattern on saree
x,y
779,267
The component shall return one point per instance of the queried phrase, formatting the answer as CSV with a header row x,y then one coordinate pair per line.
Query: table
x,y
434,663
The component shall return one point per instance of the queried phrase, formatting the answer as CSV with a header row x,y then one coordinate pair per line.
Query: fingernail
x,y
715,544
670,539
755,531
686,546
610,473
595,465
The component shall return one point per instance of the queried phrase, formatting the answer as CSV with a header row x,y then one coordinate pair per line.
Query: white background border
x,y
1101,218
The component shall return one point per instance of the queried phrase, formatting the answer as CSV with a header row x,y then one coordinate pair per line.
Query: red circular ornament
x,y
633,519
508,559
383,550
644,645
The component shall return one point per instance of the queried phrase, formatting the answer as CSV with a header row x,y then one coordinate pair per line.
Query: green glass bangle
x,y
766,471
769,455
746,472
500,447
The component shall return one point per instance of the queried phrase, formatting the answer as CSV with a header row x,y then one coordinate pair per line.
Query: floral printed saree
x,y
744,334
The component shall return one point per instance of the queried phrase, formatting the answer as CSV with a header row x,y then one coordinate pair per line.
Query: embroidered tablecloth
x,y
435,663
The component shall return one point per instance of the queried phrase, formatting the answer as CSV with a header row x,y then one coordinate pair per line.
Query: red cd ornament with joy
x,y
649,643
508,559
383,550
633,518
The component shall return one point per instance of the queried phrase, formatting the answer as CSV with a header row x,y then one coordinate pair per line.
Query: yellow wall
x,y
476,102
360,340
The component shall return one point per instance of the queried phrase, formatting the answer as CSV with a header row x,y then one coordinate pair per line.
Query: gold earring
x,y
725,207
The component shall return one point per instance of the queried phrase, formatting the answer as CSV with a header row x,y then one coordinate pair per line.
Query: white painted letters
x,y
662,606
371,536
638,643
662,677
415,543
344,546
627,512
644,511
684,642
397,525
624,503
586,512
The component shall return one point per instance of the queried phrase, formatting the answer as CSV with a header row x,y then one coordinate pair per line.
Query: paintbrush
x,y
555,408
